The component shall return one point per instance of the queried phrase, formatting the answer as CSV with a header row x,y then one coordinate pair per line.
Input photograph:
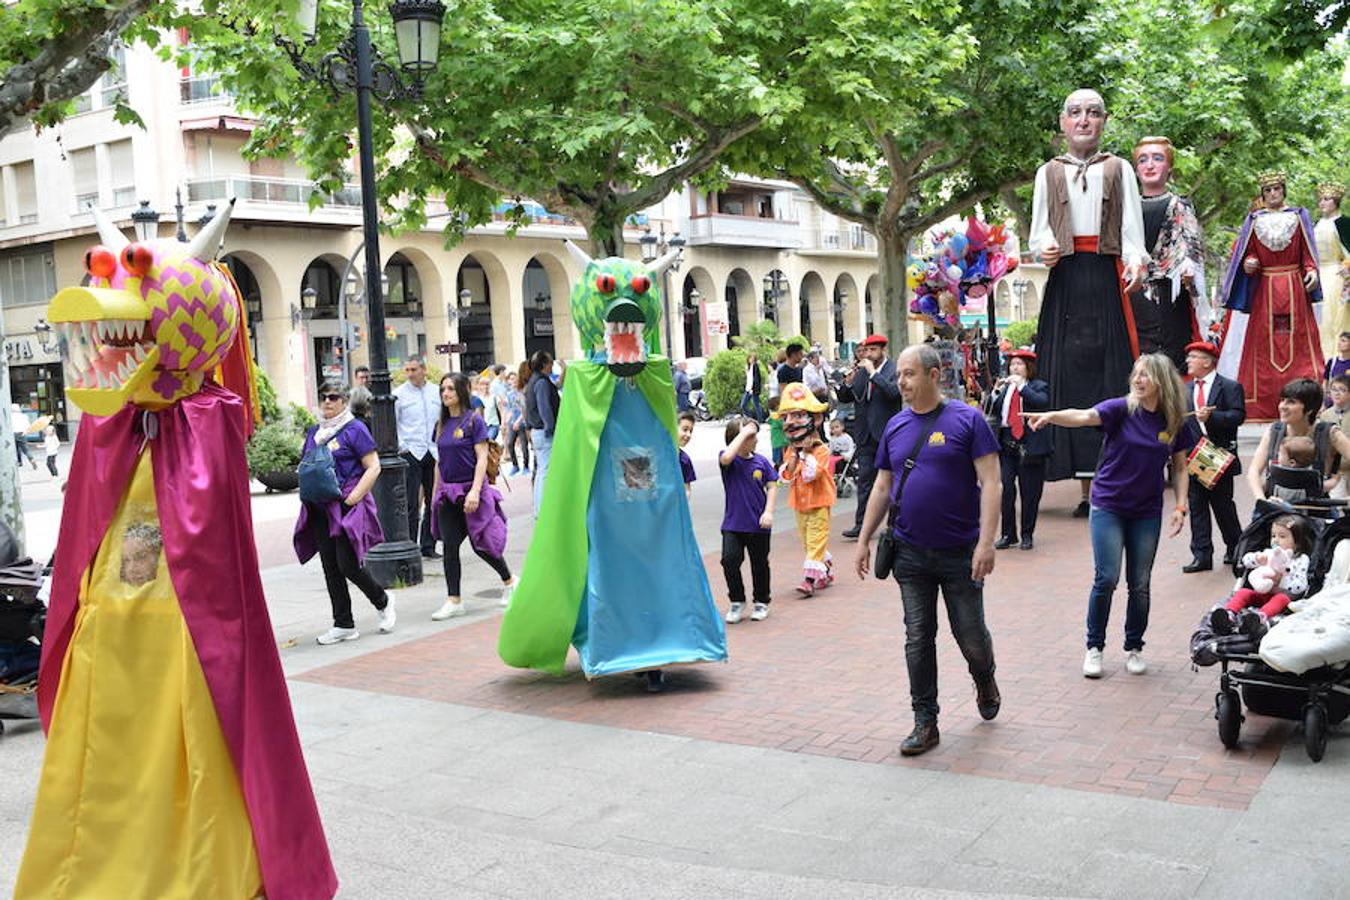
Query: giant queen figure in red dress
x,y
1271,333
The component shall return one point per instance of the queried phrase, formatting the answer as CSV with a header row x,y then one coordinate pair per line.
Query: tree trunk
x,y
606,233
893,251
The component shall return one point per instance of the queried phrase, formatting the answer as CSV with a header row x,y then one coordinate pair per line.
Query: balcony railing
x,y
201,89
850,237
269,190
743,231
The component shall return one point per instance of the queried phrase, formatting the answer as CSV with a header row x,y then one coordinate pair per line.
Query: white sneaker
x,y
735,612
761,612
388,615
338,635
507,591
449,609
1134,662
1092,663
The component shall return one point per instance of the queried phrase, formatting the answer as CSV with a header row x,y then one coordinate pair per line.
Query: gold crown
x,y
1274,176
1330,189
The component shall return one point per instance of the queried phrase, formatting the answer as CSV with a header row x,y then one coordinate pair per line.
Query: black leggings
x,y
734,545
454,529
339,567
51,465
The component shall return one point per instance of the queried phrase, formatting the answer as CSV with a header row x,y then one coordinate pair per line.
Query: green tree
x,y
597,109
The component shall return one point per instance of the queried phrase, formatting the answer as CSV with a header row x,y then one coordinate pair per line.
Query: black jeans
x,y
419,480
1219,500
1024,475
339,567
51,465
921,572
734,546
21,451
866,455
454,529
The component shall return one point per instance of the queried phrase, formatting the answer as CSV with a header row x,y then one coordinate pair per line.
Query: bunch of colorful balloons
x,y
964,266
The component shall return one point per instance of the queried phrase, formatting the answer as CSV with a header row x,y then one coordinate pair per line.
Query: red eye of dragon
x,y
641,283
605,284
100,262
137,258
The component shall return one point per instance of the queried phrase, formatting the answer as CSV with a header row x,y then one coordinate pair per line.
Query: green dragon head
x,y
617,310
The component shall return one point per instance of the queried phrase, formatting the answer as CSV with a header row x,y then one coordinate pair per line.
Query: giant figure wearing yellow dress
x,y
172,768
1332,234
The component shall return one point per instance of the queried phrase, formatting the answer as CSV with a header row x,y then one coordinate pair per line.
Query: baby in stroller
x,y
1275,577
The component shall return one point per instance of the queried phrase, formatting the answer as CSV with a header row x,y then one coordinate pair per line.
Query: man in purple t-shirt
x,y
944,527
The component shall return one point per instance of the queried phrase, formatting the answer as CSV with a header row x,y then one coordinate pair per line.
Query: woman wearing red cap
x,y
1022,452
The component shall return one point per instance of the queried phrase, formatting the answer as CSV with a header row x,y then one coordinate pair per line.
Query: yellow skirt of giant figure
x,y
138,797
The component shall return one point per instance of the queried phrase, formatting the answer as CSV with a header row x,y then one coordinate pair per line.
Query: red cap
x,y
1023,353
875,340
1203,347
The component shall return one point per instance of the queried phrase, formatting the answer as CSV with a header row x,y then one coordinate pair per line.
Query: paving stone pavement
x,y
440,773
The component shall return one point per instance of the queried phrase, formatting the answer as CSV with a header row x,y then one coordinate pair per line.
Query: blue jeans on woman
x,y
752,407
543,448
1137,539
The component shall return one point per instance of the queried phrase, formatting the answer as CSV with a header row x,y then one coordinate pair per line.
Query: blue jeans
x,y
543,446
751,407
1137,539
921,572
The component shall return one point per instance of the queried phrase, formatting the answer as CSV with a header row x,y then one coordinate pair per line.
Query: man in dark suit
x,y
1022,452
875,392
1219,408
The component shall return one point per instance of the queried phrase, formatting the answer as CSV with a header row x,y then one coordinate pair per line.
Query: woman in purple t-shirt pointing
x,y
1143,431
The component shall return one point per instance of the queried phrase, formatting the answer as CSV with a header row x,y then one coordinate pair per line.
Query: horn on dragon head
x,y
206,243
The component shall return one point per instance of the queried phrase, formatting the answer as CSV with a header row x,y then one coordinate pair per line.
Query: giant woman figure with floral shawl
x,y
613,567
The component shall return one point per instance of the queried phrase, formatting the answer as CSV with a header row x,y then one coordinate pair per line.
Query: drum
x,y
1208,462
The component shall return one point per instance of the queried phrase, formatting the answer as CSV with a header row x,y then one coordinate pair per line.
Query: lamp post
x,y
774,284
146,221
355,65
46,340
652,247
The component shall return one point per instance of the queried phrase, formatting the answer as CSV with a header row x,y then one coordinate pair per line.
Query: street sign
x,y
447,349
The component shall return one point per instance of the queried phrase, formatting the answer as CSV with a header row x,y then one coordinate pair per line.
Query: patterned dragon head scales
x,y
617,310
155,318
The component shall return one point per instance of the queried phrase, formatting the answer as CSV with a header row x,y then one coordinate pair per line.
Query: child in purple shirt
x,y
750,482
687,421
1142,433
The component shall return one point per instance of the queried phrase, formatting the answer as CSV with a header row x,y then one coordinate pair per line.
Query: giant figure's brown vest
x,y
1108,241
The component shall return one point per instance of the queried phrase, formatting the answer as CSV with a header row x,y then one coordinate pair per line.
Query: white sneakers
x,y
507,590
337,635
761,612
449,609
735,613
1092,663
388,615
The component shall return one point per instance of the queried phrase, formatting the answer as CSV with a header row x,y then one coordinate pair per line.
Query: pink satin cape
x,y
201,489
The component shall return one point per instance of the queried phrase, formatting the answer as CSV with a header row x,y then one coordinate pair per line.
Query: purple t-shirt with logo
x,y
348,447
1131,474
746,482
687,468
941,505
456,444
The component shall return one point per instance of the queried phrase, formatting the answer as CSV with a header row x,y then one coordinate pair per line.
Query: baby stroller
x,y
846,476
1317,698
22,615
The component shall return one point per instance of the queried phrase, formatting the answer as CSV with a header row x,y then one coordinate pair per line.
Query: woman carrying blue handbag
x,y
338,520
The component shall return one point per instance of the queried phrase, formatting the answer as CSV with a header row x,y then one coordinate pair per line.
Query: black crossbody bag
x,y
885,561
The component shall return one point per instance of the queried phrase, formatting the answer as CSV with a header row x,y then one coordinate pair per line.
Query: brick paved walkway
x,y
826,676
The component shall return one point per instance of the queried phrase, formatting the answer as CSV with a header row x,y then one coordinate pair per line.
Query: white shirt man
x,y
417,406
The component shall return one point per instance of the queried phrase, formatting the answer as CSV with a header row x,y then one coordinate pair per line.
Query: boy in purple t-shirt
x,y
750,482
687,420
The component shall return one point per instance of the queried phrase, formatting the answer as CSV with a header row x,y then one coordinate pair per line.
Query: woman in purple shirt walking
x,y
463,503
1142,431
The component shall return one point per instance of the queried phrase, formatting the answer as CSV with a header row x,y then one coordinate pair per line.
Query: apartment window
x,y
25,181
27,278
123,168
114,80
84,174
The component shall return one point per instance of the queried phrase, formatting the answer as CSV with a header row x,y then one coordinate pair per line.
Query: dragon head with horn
x,y
155,318
617,310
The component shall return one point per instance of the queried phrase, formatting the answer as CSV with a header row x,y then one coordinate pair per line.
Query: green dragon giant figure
x,y
613,567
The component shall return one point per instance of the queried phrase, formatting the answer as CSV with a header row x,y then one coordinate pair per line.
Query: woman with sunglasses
x,y
341,531
464,505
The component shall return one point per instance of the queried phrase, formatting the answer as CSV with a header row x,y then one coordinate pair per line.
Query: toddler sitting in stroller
x,y
1276,576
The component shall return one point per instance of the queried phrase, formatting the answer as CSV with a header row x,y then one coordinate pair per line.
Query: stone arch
x,y
412,292
484,277
269,302
872,319
814,301
690,311
848,321
742,296
776,291
545,290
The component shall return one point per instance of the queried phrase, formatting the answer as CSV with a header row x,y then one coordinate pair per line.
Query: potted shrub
x,y
274,454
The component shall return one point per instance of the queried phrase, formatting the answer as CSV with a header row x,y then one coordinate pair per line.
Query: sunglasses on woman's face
x,y
331,398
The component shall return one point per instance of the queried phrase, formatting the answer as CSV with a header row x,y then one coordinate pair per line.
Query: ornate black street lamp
x,y
356,66
146,222
654,247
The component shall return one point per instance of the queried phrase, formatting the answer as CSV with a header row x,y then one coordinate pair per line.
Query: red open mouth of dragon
x,y
103,354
